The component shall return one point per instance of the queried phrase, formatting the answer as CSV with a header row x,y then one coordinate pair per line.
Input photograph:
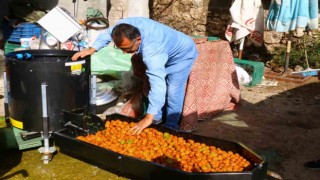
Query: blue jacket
x,y
164,51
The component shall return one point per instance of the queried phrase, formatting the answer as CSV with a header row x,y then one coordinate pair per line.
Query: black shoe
x,y
314,165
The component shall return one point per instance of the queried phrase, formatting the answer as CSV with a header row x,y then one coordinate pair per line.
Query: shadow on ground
x,y
283,128
10,156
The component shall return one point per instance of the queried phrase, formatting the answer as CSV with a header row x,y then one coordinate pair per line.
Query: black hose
x,y
102,19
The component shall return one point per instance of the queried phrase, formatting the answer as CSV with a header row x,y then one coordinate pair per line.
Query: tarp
x,y
285,15
110,61
247,18
212,85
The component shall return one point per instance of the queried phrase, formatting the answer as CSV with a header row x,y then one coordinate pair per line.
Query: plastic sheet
x,y
110,61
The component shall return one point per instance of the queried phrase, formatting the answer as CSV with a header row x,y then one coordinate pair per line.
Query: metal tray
x,y
141,169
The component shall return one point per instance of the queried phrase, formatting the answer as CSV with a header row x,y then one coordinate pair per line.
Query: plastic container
x,y
51,41
210,38
67,86
10,47
26,144
24,30
140,169
257,70
25,42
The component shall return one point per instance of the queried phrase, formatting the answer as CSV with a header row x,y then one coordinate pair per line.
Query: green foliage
x,y
297,53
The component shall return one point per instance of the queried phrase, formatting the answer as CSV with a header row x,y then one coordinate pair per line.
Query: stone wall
x,y
188,16
127,8
217,22
194,17
208,17
118,7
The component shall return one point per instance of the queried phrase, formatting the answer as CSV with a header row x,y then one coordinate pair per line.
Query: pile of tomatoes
x,y
167,149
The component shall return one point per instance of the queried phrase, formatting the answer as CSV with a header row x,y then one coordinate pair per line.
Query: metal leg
x,y
93,90
46,151
6,99
41,38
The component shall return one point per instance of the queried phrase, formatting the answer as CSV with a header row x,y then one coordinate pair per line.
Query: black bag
x,y
26,10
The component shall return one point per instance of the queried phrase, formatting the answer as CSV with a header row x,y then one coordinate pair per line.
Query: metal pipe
x,y
6,100
93,94
46,151
44,110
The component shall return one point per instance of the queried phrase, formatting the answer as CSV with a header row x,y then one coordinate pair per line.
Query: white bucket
x,y
51,41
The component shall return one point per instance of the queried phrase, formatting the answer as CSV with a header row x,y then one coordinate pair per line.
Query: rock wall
x,y
127,8
188,16
117,10
217,22
206,17
193,17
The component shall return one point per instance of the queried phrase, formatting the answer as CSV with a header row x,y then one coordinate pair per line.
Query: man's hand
x,y
141,125
83,53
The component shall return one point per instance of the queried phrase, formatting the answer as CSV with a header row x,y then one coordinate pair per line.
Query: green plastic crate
x,y
210,38
255,69
7,138
9,47
26,144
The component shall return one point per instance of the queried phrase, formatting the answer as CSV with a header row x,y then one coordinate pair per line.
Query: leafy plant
x,y
297,53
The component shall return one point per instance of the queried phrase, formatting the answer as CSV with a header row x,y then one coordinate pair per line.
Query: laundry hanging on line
x,y
247,19
290,15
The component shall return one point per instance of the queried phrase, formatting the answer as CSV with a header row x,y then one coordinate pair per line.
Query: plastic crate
x,y
9,47
24,30
36,142
210,38
256,70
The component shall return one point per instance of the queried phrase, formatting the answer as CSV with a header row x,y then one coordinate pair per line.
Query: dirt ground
x,y
281,123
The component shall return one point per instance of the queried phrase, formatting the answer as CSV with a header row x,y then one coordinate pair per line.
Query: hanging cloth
x,y
289,15
247,19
